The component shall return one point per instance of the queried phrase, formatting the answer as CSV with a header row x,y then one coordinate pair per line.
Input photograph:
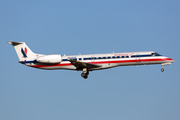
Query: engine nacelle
x,y
50,59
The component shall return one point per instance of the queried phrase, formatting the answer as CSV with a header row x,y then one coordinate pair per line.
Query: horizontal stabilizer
x,y
15,43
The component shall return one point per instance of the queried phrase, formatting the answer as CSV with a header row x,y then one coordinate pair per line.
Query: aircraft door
x,y
138,60
92,59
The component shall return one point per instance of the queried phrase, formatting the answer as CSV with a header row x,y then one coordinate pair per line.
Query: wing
x,y
80,65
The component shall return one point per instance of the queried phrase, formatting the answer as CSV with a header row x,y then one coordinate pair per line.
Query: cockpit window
x,y
155,54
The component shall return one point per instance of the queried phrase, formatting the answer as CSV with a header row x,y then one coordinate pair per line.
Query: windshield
x,y
155,54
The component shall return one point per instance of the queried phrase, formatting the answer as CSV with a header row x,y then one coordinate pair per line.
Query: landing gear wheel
x,y
85,74
85,77
162,69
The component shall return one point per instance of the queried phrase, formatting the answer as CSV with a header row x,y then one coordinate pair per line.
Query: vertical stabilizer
x,y
22,50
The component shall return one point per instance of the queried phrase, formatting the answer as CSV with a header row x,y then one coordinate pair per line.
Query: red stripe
x,y
37,66
25,50
106,62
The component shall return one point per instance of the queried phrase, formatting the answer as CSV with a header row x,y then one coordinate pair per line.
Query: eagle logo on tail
x,y
24,52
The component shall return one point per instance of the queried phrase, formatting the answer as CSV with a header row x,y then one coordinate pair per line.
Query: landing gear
x,y
162,69
85,73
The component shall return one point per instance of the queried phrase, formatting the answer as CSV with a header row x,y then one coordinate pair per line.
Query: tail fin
x,y
22,50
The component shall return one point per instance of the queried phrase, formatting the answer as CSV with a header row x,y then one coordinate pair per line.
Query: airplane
x,y
86,63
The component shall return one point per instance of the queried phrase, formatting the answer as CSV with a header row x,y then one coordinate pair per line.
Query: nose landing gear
x,y
162,69
85,73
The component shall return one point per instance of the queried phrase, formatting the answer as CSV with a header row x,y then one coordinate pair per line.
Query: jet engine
x,y
50,59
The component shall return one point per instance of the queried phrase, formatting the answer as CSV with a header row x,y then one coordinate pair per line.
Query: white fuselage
x,y
105,60
86,63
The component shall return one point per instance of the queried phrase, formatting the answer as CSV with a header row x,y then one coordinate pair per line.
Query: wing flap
x,y
79,64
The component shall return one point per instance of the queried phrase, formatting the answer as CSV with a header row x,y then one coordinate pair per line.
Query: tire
x,y
83,75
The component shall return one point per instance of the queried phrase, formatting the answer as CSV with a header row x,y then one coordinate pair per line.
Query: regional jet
x,y
86,63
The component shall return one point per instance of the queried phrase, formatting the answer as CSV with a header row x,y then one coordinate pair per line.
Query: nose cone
x,y
171,60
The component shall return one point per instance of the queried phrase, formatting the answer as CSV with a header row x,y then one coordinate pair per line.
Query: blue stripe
x,y
64,59
149,55
113,57
24,62
24,54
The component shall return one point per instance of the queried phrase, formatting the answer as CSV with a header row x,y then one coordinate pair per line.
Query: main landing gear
x,y
85,73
